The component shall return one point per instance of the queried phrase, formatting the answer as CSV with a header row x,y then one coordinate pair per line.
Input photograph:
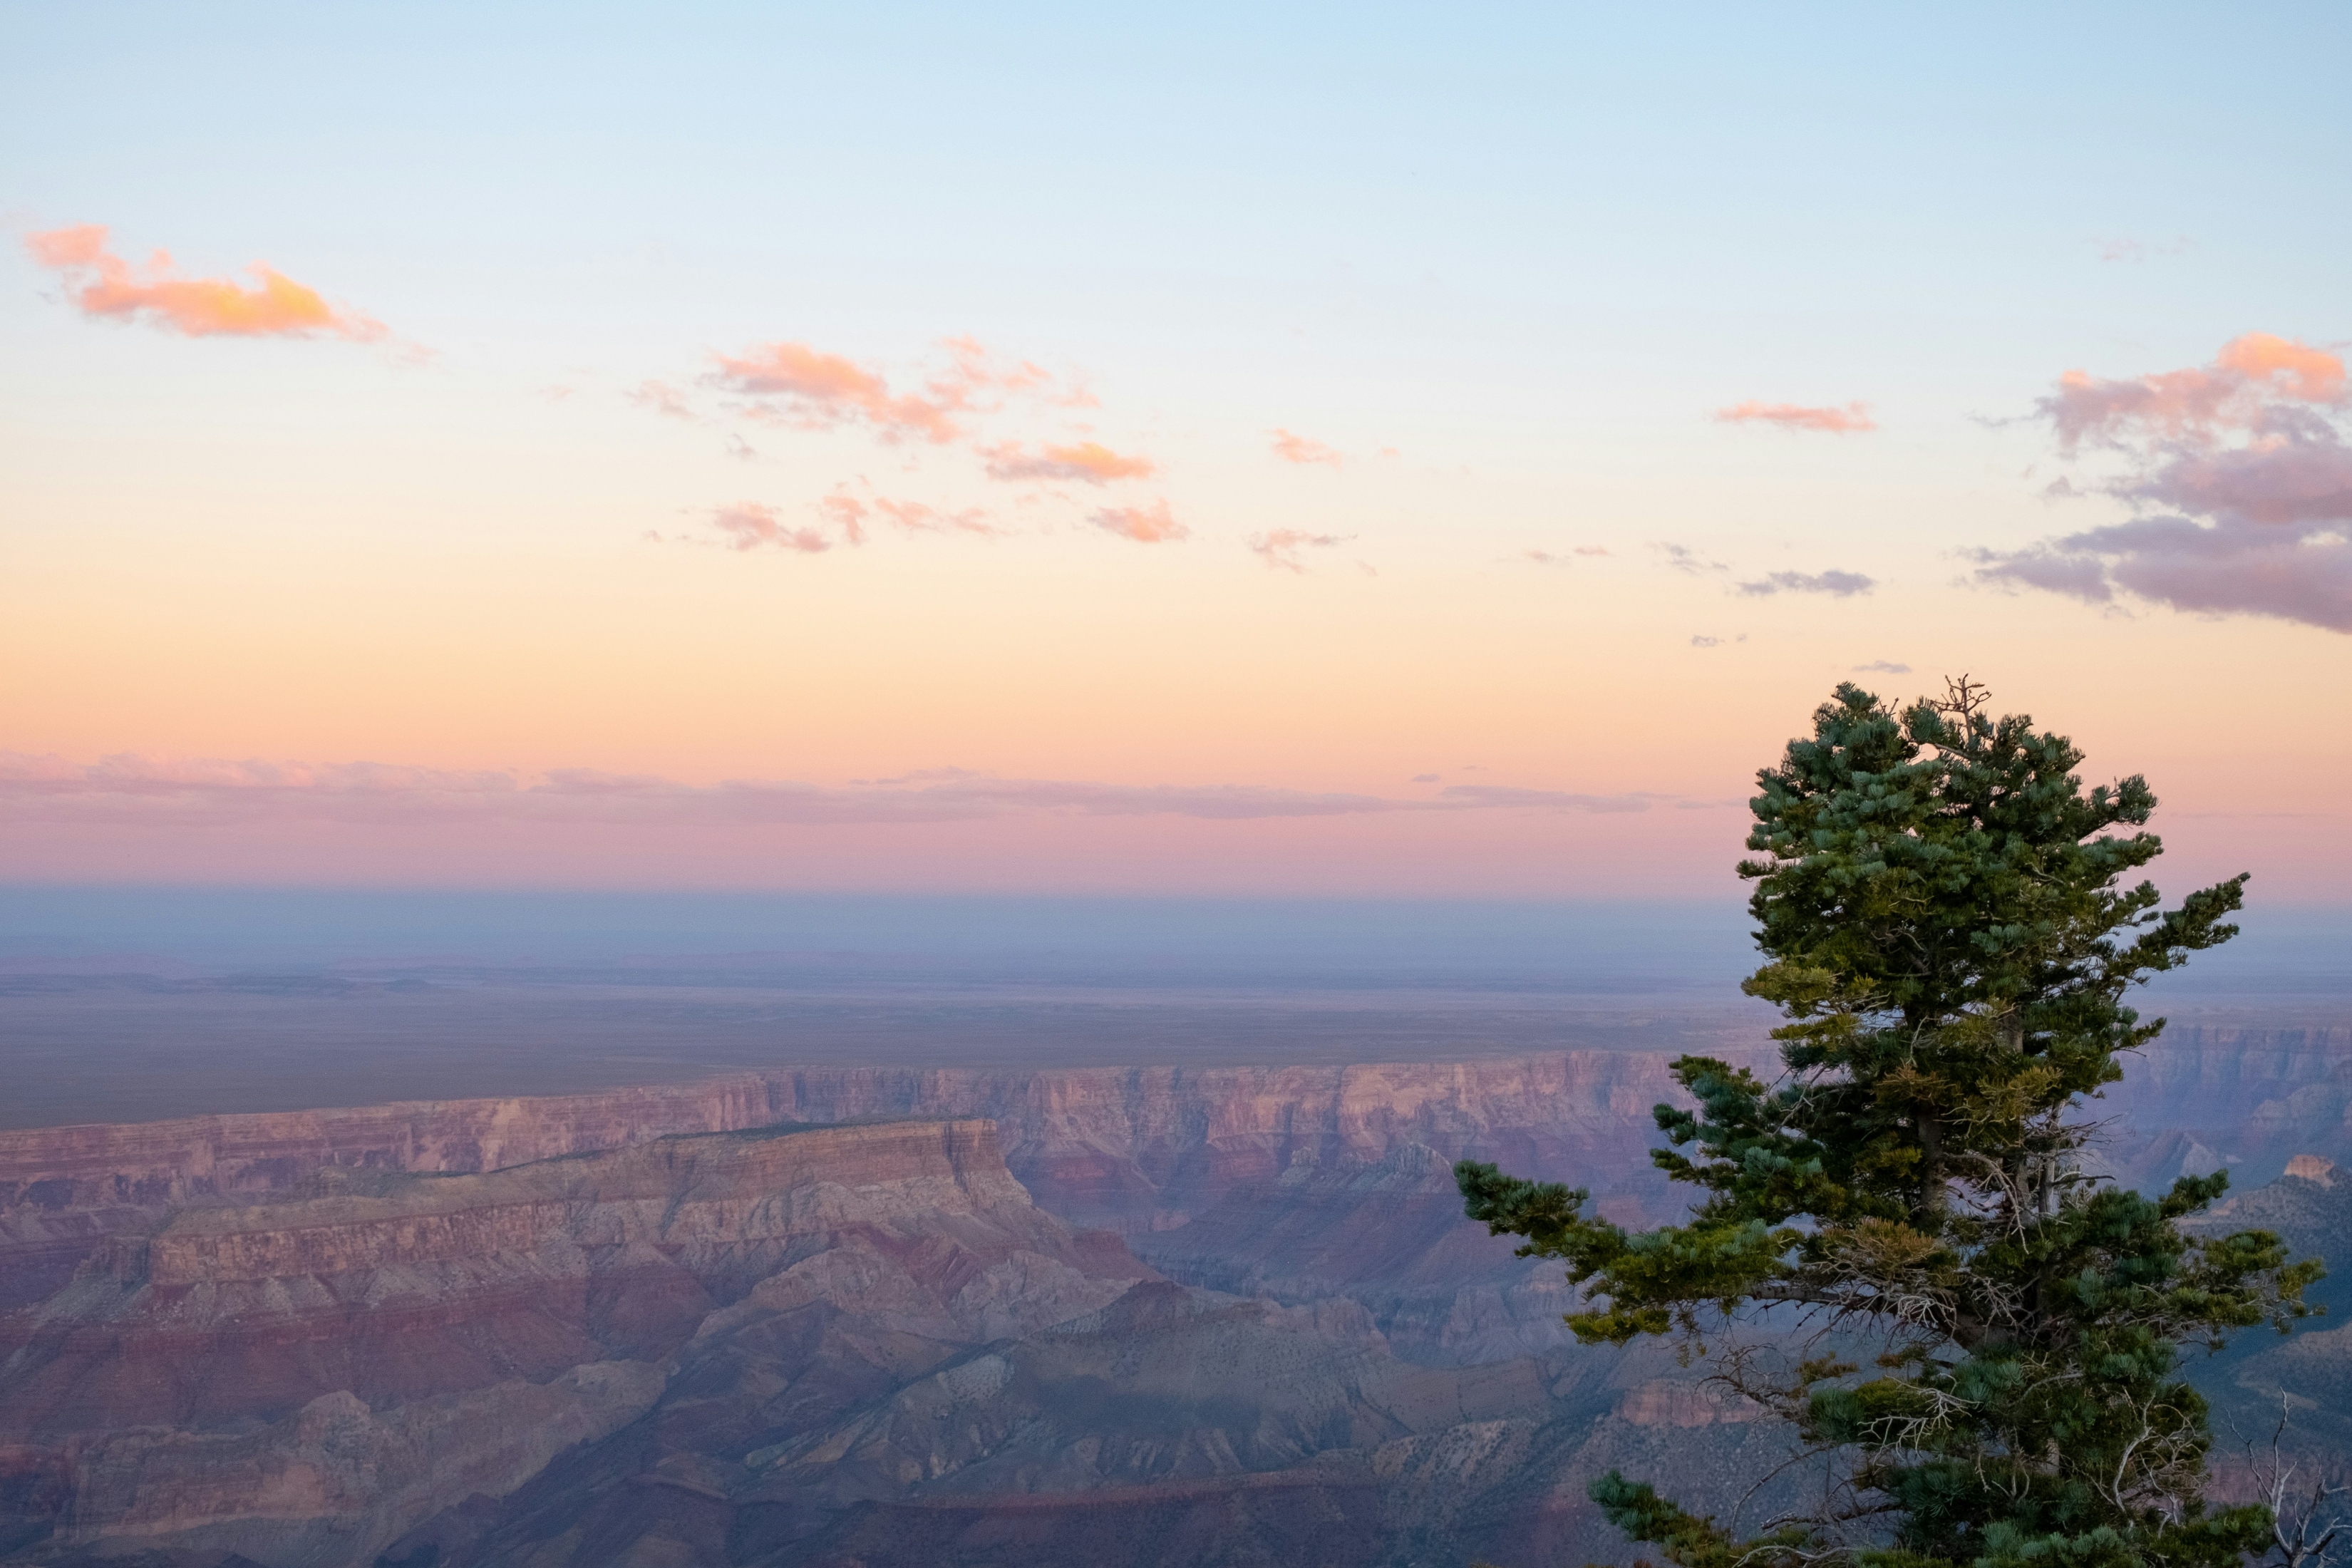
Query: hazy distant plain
x,y
135,1004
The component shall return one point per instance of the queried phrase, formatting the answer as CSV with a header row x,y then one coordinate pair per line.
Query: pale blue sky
x,y
1532,248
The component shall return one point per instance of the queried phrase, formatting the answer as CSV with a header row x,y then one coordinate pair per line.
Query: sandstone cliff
x,y
810,1314
299,1380
1134,1149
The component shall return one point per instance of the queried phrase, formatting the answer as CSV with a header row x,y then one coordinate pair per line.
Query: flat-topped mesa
x,y
1137,1150
1130,1148
1151,1124
1147,1124
235,1157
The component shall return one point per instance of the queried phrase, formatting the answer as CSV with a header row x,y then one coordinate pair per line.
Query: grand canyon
x,y
897,1315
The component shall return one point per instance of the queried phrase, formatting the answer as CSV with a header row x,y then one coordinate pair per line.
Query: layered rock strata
x,y
299,1380
1134,1149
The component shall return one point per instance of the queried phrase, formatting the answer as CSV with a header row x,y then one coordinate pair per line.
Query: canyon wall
x,y
807,1315
1134,1150
786,1345
302,1380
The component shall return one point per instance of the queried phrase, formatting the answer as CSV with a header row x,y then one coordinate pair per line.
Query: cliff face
x,y
64,1189
807,1315
1133,1150
2245,1100
299,1380
1144,1152
1143,1148
1388,1235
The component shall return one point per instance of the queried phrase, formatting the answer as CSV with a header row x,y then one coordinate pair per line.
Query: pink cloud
x,y
821,389
1279,548
2245,462
661,398
1852,419
1153,525
971,369
917,517
2252,374
1088,462
102,284
747,525
2287,368
195,791
801,385
1293,449
848,513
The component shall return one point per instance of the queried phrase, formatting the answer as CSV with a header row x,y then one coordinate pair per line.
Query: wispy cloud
x,y
102,284
1851,420
1280,547
974,370
660,397
1490,796
820,390
1085,462
846,512
1294,449
792,383
917,517
211,790
2245,468
1551,558
1152,525
1681,558
747,525
949,402
1839,585
2143,249
1881,666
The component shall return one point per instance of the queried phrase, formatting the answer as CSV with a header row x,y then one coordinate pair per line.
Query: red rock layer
x,y
274,1377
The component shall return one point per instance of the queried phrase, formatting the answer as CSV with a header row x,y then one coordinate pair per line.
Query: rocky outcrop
x,y
2205,1098
1142,1151
301,1381
823,1314
1388,1235
64,1189
1171,1426
1134,1149
335,1480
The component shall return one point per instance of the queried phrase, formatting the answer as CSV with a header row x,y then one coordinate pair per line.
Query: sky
x,y
1293,452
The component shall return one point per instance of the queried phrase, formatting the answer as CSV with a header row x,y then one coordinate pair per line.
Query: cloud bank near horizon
x,y
198,790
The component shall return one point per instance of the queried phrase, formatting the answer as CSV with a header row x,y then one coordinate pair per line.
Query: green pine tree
x,y
1939,901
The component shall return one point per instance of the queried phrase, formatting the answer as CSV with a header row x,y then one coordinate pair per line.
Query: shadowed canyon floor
x,y
886,1315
